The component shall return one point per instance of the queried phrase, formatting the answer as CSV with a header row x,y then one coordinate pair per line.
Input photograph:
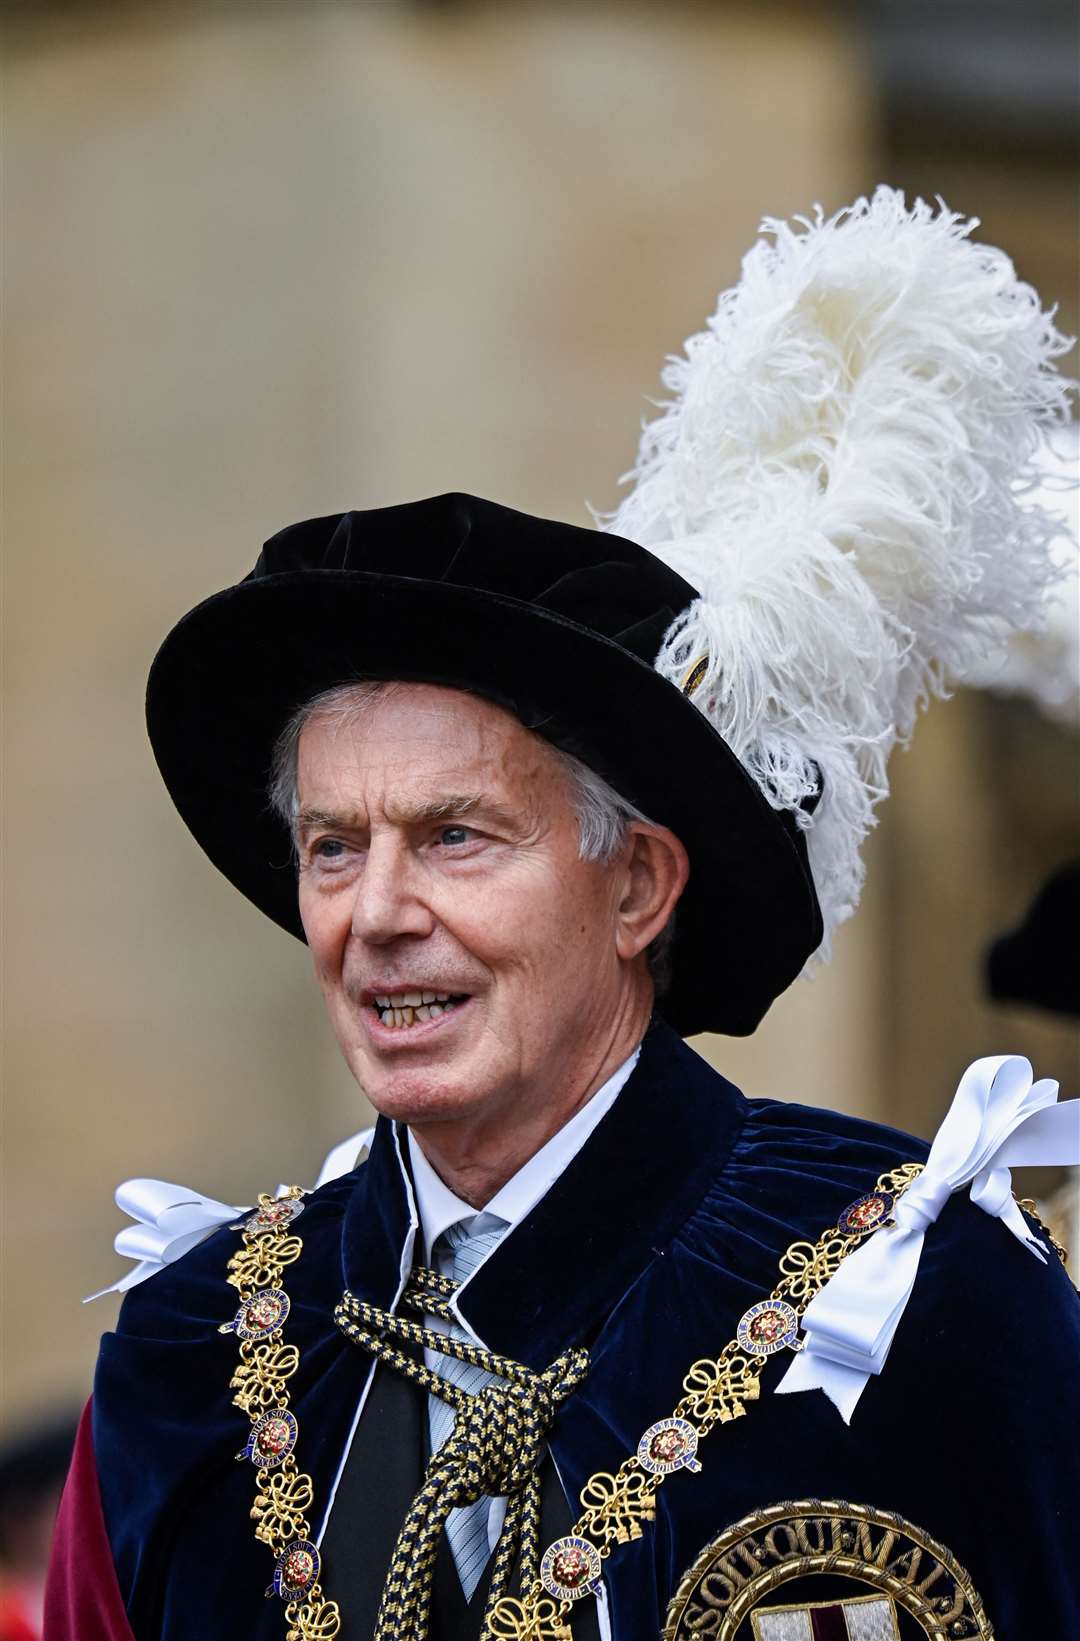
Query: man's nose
x,y
388,901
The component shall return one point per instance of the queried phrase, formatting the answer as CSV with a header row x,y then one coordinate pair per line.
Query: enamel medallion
x,y
767,1327
866,1213
263,1313
297,1569
571,1569
272,1439
271,1216
670,1444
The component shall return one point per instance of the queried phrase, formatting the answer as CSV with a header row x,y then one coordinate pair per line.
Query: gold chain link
x,y
283,1493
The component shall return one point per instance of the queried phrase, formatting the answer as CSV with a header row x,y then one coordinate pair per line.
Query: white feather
x,y
840,474
1045,666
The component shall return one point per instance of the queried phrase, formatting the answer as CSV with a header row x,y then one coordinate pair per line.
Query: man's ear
x,y
655,872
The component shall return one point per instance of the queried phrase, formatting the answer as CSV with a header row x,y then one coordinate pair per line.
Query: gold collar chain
x,y
615,1507
283,1494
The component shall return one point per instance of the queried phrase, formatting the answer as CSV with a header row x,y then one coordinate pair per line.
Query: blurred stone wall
x,y
266,262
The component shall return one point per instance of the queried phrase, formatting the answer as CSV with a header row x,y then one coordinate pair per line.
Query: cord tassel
x,y
496,1448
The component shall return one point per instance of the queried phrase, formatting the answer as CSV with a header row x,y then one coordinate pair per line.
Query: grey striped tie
x,y
467,1527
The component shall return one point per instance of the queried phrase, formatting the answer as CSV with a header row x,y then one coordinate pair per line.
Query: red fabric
x,y
14,1624
82,1596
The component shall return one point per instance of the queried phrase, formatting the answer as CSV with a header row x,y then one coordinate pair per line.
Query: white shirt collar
x,y
439,1208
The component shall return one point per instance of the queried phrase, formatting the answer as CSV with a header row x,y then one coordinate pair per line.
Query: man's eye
x,y
328,849
455,834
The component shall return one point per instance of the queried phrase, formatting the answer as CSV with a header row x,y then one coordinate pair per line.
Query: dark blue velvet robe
x,y
665,1227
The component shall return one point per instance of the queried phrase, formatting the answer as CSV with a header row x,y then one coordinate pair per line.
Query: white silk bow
x,y
170,1220
998,1120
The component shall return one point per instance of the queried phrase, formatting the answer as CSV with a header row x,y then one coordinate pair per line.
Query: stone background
x,y
266,261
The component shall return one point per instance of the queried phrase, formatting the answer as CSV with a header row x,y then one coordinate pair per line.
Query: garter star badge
x,y
823,1570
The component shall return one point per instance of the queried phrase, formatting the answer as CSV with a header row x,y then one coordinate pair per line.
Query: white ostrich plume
x,y
844,473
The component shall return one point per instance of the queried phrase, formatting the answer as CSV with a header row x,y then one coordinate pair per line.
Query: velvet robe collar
x,y
556,1275
668,1224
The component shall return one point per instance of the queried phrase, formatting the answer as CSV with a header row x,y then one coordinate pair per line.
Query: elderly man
x,y
586,1344
502,937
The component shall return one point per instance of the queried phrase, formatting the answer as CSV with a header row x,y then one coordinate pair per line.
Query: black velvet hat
x,y
556,623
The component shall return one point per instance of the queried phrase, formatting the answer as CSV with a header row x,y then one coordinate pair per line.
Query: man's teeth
x,y
408,1007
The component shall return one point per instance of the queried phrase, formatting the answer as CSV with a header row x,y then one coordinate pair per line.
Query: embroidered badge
x,y
668,1445
823,1570
866,1213
767,1327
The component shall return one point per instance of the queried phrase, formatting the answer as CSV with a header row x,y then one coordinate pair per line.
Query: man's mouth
x,y
402,1009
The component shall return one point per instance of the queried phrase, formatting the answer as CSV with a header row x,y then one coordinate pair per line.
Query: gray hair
x,y
604,815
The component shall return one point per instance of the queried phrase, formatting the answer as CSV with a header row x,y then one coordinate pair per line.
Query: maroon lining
x,y
82,1596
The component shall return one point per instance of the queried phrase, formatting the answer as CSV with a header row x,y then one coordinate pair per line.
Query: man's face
x,y
439,859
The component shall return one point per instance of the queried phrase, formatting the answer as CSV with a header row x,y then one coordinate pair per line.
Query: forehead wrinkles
x,y
405,756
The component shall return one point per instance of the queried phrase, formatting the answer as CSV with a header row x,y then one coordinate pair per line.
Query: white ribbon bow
x,y
171,1219
999,1119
